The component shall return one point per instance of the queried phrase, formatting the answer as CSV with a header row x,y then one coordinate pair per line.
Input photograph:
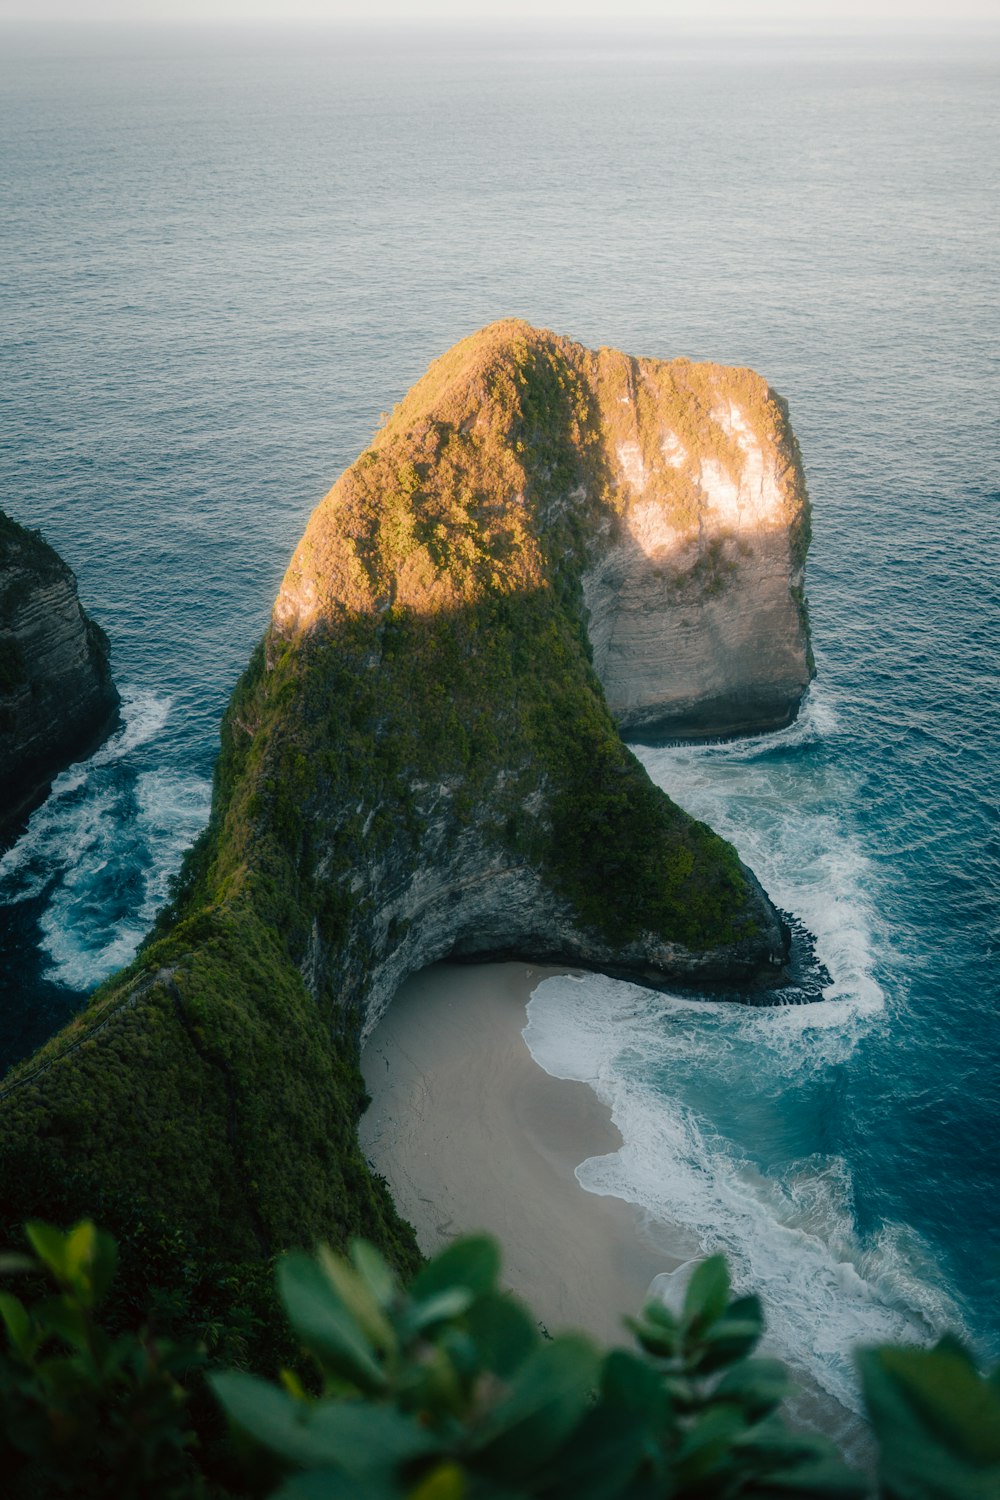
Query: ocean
x,y
226,254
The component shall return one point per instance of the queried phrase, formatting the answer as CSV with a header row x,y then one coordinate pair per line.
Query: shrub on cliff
x,y
447,1391
83,1413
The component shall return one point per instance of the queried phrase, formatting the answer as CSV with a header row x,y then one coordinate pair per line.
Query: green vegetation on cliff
x,y
423,702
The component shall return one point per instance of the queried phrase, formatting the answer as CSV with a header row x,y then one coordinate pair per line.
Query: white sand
x,y
470,1133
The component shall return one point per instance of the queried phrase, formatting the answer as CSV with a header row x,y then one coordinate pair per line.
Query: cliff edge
x,y
695,600
57,699
421,762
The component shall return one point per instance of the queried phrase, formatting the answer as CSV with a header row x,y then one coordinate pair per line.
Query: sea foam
x,y
100,851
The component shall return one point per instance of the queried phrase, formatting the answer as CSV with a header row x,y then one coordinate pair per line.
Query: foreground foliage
x,y
447,1390
82,1413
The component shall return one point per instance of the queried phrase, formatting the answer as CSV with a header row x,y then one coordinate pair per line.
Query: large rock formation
x,y
524,468
696,606
57,699
420,762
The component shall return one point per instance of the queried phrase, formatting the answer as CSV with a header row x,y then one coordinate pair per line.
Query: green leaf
x,y
18,1323
659,1314
104,1263
657,1330
708,1438
747,1310
472,1262
619,1436
90,1258
707,1293
460,1349
446,1482
375,1272
68,1380
450,1303
795,1463
431,1385
629,1384
49,1245
726,1341
357,1438
325,1325
547,1399
654,1338
78,1251
269,1416
368,1441
503,1332
937,1420
65,1318
357,1299
757,1385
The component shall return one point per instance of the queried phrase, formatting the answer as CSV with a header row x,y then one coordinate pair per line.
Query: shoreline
x,y
471,1133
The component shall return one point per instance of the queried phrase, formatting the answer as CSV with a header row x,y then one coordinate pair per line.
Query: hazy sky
x,y
689,15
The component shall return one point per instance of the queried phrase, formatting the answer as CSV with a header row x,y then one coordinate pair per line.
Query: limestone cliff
x,y
658,507
696,606
57,699
420,762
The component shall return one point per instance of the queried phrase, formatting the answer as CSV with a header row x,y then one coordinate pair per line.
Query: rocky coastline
x,y
57,698
422,761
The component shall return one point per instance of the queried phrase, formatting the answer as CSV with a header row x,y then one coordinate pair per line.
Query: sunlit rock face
x,y
696,611
691,497
57,699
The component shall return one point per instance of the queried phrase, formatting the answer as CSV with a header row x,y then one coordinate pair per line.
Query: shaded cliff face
x,y
57,699
419,762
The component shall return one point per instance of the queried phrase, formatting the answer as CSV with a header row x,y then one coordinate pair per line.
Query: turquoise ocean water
x,y
224,256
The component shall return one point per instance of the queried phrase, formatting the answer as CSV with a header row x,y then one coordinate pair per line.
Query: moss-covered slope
x,y
419,761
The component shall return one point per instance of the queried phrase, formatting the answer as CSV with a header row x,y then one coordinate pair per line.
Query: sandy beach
x,y
470,1133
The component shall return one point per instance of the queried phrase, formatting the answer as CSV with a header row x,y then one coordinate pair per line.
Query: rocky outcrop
x,y
57,699
664,503
421,762
696,607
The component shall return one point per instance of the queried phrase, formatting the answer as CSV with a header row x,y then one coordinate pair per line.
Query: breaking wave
x,y
729,1114
100,851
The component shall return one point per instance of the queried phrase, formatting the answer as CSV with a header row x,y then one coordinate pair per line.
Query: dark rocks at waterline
x,y
57,698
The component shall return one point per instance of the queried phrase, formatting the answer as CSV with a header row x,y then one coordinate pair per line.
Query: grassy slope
x,y
432,633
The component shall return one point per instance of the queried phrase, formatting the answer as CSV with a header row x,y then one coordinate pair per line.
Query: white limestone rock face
x,y
695,602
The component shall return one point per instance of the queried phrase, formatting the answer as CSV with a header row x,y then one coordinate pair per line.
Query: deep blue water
x,y
223,258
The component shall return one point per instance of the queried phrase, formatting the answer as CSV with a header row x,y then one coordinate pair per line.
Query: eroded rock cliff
x,y
696,605
57,699
421,761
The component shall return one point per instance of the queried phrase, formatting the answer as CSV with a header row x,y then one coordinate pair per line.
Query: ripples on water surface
x,y
224,259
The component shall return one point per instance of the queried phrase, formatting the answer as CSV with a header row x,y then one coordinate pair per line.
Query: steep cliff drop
x,y
421,761
696,604
57,699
